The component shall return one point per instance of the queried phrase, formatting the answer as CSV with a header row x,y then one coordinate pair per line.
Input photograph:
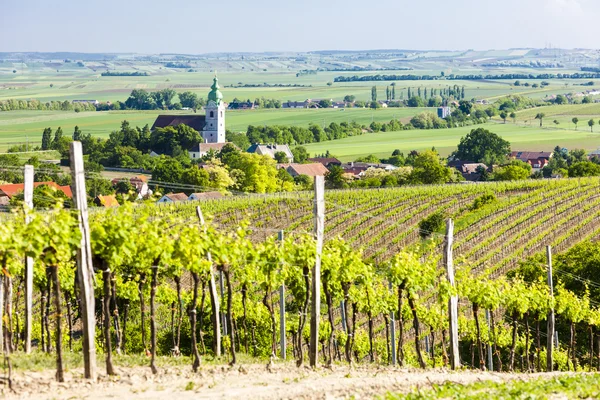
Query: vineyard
x,y
168,283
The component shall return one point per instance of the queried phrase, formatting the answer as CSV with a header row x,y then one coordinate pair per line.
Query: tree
x,y
465,106
428,169
591,124
349,98
335,178
57,138
584,168
281,157
47,139
188,100
415,101
503,115
516,170
483,146
300,154
374,93
77,134
556,122
575,120
514,117
540,116
325,103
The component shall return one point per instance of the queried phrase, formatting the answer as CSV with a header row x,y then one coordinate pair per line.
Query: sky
x,y
204,26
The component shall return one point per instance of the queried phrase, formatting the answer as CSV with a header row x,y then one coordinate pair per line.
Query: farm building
x,y
537,160
443,112
271,149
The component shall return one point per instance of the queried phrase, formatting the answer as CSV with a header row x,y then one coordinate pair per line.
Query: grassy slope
x,y
445,140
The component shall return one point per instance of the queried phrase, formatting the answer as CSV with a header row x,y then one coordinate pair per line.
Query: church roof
x,y
215,94
195,122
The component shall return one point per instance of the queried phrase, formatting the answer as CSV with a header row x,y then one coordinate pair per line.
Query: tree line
x,y
470,77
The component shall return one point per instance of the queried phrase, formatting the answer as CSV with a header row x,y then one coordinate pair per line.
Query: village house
x,y
205,196
537,159
312,170
271,149
326,161
201,149
10,190
106,201
173,198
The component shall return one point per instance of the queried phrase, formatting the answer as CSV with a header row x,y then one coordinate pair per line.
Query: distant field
x,y
22,126
445,140
70,82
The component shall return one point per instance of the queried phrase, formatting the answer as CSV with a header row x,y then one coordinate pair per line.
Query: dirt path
x,y
244,382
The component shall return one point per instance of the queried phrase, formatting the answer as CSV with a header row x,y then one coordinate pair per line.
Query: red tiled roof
x,y
13,189
326,160
106,201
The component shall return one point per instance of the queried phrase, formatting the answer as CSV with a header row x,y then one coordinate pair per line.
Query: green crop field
x,y
22,126
445,141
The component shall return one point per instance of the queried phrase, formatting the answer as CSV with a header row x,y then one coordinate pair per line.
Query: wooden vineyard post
x,y
282,343
85,268
453,302
28,199
550,331
214,298
315,310
393,333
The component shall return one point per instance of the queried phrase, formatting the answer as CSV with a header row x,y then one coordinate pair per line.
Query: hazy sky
x,y
201,26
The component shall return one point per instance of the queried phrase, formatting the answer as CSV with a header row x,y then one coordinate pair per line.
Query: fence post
x,y
393,333
85,268
315,311
453,302
549,343
214,297
282,343
489,346
28,199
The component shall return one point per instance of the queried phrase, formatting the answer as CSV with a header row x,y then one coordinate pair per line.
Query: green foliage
x,y
431,224
483,146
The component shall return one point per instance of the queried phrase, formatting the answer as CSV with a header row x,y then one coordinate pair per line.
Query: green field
x,y
382,144
22,126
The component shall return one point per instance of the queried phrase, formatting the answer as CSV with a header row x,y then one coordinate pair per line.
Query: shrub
x,y
433,223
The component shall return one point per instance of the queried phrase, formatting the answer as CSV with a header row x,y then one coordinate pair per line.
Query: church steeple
x,y
215,94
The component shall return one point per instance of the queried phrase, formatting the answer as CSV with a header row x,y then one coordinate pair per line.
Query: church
x,y
211,125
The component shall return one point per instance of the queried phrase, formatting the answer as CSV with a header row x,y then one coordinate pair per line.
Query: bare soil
x,y
250,381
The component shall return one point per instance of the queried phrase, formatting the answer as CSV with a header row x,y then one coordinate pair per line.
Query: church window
x,y
212,114
221,114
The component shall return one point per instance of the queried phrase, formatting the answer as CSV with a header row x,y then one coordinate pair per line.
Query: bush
x,y
433,223
482,201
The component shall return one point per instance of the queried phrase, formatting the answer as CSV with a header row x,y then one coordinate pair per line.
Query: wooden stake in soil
x,y
549,344
28,199
85,269
315,311
453,302
214,297
282,311
393,333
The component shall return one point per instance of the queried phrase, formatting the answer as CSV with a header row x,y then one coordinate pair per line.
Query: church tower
x,y
214,129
